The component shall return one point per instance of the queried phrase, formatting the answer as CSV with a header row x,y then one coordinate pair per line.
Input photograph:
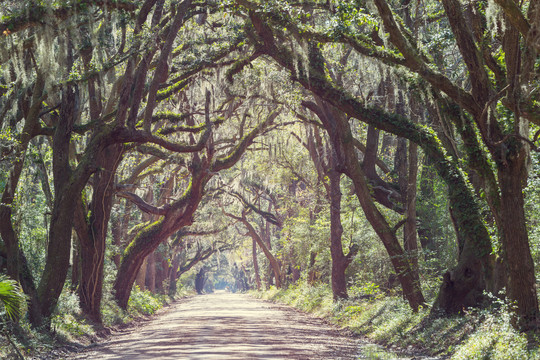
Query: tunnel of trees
x,y
384,142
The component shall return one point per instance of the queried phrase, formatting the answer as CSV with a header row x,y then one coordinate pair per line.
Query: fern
x,y
12,297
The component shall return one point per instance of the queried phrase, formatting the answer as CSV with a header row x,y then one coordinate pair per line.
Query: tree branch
x,y
143,205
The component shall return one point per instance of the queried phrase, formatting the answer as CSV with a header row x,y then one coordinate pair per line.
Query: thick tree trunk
x,y
148,239
58,251
339,261
92,233
515,243
66,193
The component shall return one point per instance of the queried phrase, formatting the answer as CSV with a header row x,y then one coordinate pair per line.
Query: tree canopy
x,y
391,142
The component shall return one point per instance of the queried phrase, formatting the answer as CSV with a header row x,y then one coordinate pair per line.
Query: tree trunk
x,y
312,274
426,210
66,192
340,134
410,243
76,261
119,230
149,238
162,272
339,260
173,277
140,280
200,279
256,265
92,233
273,262
515,243
151,272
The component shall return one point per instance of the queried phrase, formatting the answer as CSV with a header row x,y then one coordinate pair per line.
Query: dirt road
x,y
228,326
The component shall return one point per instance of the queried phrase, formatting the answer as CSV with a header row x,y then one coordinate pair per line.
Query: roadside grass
x,y
70,328
388,321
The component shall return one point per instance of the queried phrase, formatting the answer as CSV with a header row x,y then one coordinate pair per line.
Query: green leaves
x,y
12,298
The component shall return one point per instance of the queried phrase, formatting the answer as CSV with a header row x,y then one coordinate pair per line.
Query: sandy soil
x,y
228,326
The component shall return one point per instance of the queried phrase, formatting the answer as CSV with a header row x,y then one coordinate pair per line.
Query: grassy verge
x,y
386,320
69,328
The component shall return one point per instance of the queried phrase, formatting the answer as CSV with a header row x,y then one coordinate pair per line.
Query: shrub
x,y
68,320
495,338
12,298
144,302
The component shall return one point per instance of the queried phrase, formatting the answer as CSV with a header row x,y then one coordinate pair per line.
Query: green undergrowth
x,y
70,328
389,321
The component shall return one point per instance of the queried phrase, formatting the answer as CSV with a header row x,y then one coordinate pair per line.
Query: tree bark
x,y
410,243
200,279
148,239
340,262
256,265
66,194
426,210
140,280
151,272
173,275
92,233
515,243
273,262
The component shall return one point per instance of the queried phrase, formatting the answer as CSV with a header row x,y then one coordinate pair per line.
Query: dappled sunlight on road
x,y
228,326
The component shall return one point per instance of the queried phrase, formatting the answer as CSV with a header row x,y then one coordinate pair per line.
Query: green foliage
x,y
68,320
316,299
12,298
72,326
111,313
495,337
145,302
532,207
365,290
389,321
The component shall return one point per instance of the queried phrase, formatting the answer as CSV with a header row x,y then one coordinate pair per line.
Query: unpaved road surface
x,y
228,326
